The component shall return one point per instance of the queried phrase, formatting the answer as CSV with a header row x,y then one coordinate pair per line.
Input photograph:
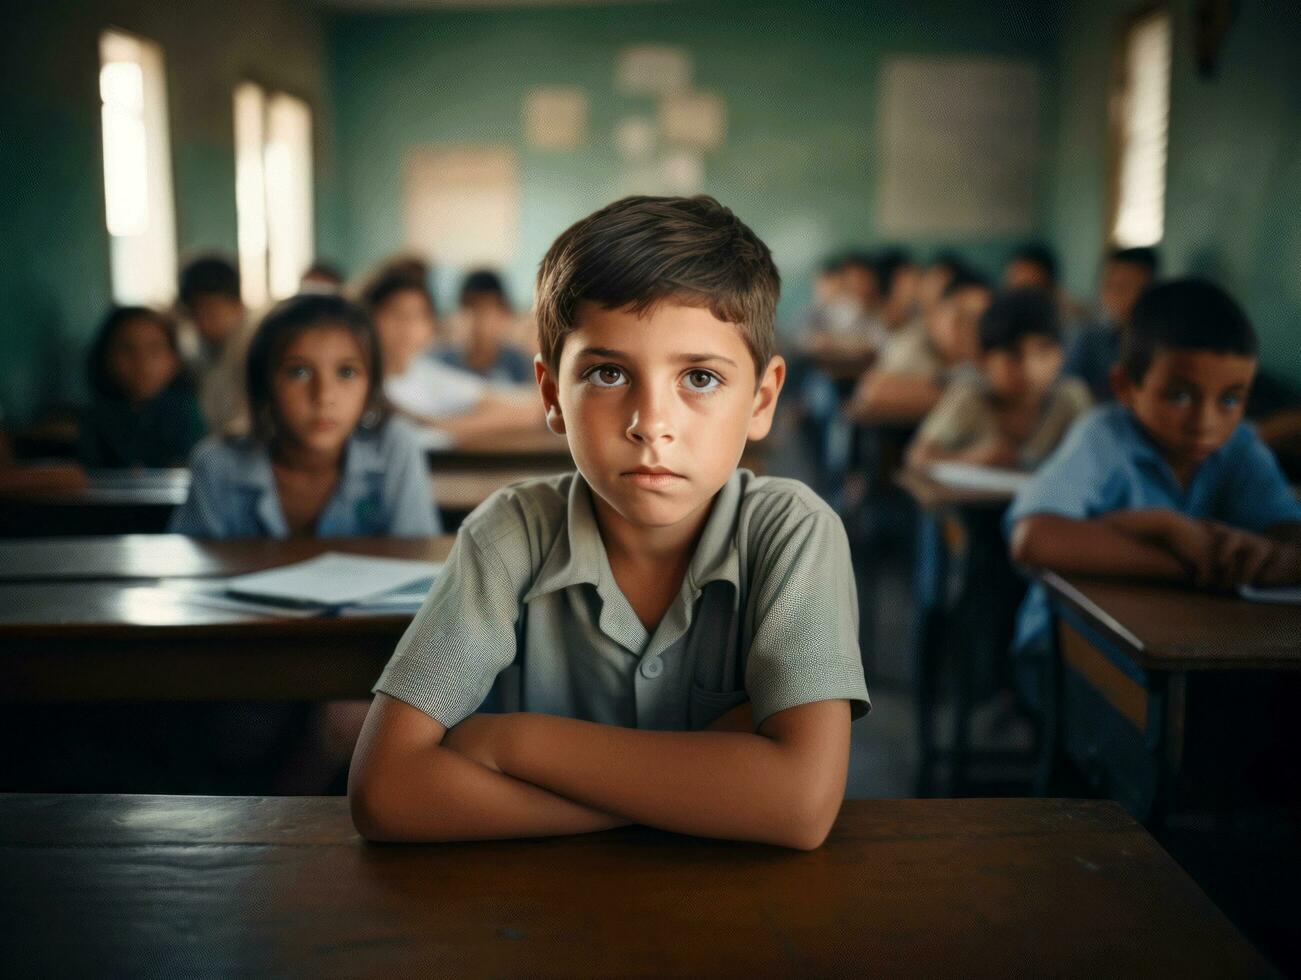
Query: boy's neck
x,y
635,545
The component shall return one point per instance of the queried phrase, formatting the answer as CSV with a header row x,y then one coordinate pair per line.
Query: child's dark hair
x,y
208,275
1037,253
325,270
889,264
1142,256
484,282
950,260
639,251
286,320
1017,314
964,278
102,382
396,277
1185,314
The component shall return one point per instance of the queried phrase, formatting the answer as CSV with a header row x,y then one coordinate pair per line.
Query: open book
x,y
335,579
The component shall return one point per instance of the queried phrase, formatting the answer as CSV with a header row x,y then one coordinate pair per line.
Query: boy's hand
x,y
1193,543
1244,558
479,738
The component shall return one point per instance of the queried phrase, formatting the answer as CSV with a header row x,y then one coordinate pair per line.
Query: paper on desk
x,y
969,476
333,579
1278,593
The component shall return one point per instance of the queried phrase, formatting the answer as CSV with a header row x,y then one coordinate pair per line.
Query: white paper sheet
x,y
332,579
1290,594
969,476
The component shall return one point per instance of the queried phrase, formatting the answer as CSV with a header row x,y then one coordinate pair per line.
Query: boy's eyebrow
x,y
680,358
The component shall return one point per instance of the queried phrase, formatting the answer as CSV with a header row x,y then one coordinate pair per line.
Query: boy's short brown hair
x,y
640,251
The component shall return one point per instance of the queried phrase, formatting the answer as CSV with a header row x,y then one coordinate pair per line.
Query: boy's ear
x,y
1122,385
550,395
765,398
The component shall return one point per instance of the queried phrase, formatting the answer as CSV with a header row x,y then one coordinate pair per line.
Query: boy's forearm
x,y
737,785
1095,547
443,796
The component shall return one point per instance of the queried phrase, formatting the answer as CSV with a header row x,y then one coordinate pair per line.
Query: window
x,y
273,192
137,170
1140,121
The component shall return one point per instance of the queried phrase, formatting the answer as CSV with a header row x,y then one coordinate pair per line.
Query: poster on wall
x,y
555,118
959,141
462,203
652,69
694,119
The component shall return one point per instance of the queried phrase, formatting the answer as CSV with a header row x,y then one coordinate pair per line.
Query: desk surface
x,y
1164,627
182,885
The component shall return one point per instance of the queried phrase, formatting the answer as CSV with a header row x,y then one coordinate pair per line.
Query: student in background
x,y
1126,272
1032,266
324,458
910,377
144,412
1167,484
649,694
935,279
899,278
851,322
490,321
1017,408
419,385
321,277
215,340
827,291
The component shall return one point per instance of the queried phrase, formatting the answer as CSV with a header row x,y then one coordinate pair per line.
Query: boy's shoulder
x,y
227,457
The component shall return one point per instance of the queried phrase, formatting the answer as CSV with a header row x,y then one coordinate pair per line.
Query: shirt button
x,y
652,668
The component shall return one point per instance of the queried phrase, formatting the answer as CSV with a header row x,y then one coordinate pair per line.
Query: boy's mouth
x,y
652,477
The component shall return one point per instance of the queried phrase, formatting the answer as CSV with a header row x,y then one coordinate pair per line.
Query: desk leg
x,y
929,580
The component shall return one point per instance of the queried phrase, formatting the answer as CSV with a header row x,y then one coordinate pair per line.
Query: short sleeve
x,y
1070,400
956,421
463,636
201,515
1258,496
1075,479
408,494
804,644
907,354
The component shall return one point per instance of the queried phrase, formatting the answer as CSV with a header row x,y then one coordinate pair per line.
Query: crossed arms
x,y
532,775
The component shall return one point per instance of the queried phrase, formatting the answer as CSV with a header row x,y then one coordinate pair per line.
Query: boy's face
x,y
405,326
1024,372
216,316
1122,284
657,408
141,360
1189,401
955,324
320,387
1027,274
859,283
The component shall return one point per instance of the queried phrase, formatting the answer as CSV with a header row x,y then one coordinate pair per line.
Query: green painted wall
x,y
54,278
1233,197
799,80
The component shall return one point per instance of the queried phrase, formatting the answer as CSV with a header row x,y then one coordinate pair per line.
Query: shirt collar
x,y
578,555
1146,451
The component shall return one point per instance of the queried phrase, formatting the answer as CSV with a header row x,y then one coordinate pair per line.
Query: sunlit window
x,y
137,170
273,191
1141,121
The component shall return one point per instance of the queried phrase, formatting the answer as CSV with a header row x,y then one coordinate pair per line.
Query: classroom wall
x,y
54,263
1233,197
799,79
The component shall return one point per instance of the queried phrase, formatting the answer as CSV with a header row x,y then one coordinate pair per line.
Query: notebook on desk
x,y
969,476
1290,594
334,580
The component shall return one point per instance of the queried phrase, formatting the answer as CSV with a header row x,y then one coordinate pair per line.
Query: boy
x,y
1016,408
488,351
909,379
216,340
1126,273
681,635
1168,484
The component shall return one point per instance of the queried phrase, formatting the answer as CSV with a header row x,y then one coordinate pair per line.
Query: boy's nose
x,y
650,422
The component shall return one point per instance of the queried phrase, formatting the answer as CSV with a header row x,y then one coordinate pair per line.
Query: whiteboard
x,y
959,146
462,203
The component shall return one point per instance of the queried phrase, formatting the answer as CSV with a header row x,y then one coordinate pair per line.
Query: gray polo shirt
x,y
767,612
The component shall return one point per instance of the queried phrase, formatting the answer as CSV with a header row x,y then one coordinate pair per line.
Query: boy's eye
x,y
348,371
1179,397
702,380
1231,401
299,371
605,376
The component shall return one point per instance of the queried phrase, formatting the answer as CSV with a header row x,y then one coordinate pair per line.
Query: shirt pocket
x,y
704,706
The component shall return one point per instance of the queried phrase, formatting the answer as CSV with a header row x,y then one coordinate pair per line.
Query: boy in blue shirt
x,y
679,635
1168,483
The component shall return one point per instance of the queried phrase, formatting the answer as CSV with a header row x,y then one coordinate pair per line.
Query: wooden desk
x,y
110,637
530,448
960,641
1163,692
129,885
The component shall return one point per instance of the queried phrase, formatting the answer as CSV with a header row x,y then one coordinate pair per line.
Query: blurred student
x,y
324,458
942,269
827,287
419,385
1126,273
490,320
144,411
321,277
1032,266
899,279
1017,407
1168,483
215,340
850,323
909,379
